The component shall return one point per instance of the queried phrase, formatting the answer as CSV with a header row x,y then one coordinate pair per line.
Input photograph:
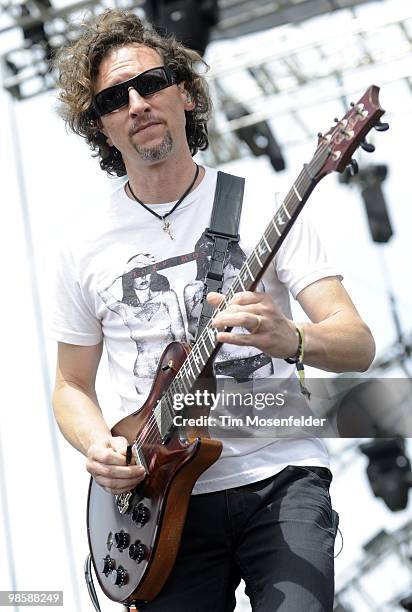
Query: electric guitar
x,y
134,537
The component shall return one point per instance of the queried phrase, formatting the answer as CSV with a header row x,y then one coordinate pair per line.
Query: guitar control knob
x,y
140,514
119,576
122,540
106,565
137,551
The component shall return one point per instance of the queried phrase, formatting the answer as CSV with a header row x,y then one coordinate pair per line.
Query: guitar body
x,y
138,547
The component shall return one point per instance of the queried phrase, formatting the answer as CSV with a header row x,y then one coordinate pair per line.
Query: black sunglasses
x,y
146,84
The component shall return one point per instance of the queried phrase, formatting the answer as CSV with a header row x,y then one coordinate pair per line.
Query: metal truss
x,y
398,354
280,76
237,17
26,73
285,74
386,554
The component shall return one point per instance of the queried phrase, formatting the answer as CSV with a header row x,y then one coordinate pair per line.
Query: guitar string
x,y
152,433
206,335
249,264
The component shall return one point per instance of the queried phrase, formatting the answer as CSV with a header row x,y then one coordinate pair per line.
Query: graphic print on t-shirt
x,y
241,363
149,307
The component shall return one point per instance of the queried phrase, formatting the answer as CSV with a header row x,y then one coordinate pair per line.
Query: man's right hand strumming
x,y
106,462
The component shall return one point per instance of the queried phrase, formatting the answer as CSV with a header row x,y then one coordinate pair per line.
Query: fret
x,y
297,193
207,338
185,380
271,235
276,227
189,365
235,287
176,386
266,242
195,359
254,266
245,275
262,248
286,210
249,272
211,332
258,259
241,284
230,294
203,347
184,370
185,384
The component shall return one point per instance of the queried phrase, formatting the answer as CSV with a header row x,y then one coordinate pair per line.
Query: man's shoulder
x,y
89,220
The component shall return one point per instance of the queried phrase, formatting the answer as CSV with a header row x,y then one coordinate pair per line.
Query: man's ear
x,y
187,98
103,131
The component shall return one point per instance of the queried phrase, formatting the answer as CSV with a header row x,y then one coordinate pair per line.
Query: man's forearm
x,y
338,344
79,416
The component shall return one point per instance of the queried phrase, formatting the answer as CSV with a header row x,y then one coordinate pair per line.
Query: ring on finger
x,y
258,324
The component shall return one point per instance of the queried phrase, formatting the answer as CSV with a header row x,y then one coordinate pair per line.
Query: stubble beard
x,y
158,152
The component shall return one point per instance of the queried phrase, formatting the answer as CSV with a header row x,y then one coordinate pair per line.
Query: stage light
x,y
259,137
362,411
370,180
189,20
35,33
389,471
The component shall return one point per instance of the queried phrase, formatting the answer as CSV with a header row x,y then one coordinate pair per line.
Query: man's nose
x,y
137,103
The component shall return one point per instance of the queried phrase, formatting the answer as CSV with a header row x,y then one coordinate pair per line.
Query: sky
x,y
55,179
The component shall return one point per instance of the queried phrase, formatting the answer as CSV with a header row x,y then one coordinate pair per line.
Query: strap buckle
x,y
211,233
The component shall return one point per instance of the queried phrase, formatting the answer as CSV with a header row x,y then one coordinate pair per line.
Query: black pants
x,y
277,534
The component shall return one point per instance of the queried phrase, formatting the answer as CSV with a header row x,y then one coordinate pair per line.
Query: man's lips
x,y
147,125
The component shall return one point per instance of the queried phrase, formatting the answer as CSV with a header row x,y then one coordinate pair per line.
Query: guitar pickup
x,y
139,457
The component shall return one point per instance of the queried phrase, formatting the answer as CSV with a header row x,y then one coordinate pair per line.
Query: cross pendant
x,y
166,228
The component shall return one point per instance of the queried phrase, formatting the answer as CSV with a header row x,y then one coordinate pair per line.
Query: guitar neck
x,y
206,346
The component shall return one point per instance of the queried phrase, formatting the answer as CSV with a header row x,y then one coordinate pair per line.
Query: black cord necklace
x,y
166,224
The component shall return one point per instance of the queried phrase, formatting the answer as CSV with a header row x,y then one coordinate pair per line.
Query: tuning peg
x,y
353,167
381,127
367,146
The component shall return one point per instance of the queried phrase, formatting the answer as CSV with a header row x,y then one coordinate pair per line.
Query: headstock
x,y
336,147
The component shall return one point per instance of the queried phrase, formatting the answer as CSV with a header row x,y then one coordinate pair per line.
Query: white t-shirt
x,y
122,279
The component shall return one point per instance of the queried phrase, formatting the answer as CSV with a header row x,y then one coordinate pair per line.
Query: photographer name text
x,y
247,421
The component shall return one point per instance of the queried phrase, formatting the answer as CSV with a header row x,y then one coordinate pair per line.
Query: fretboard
x,y
247,279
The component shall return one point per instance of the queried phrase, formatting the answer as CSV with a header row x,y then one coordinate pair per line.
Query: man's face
x,y
152,126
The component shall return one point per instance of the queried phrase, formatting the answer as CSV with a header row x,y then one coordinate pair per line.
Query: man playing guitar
x,y
262,512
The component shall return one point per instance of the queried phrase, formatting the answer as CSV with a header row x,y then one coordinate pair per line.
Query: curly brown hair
x,y
78,64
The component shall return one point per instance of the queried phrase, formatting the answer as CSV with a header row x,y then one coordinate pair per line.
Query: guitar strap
x,y
223,231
